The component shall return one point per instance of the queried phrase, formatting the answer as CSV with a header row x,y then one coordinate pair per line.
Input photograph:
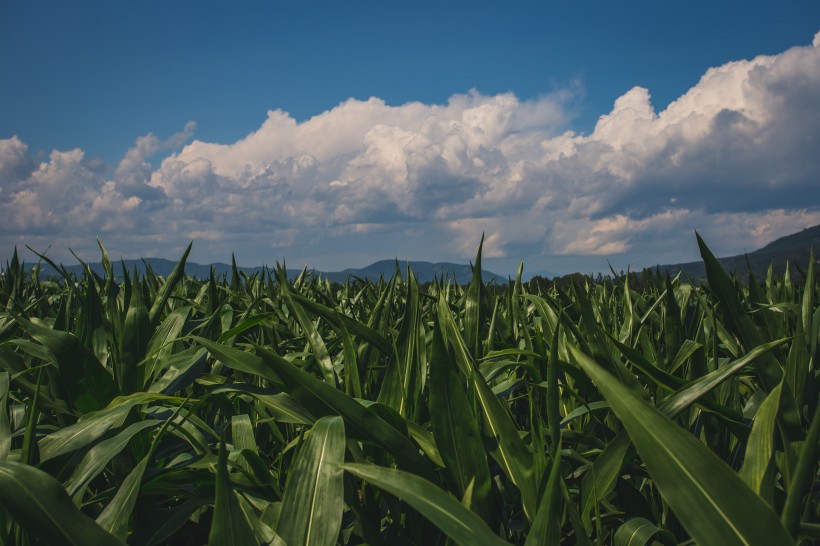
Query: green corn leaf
x,y
672,327
285,408
474,311
452,335
41,506
593,334
168,287
801,481
353,326
85,380
444,511
157,531
600,479
511,452
670,382
638,532
95,461
353,383
243,437
313,500
455,428
546,527
313,336
116,515
426,442
693,391
29,453
553,392
709,499
796,369
181,370
242,433
760,445
769,369
242,361
93,425
230,525
168,330
321,399
136,335
401,388
5,426
90,427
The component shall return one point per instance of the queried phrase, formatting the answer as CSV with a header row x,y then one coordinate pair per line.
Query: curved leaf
x,y
711,501
313,500
39,503
229,526
443,510
636,532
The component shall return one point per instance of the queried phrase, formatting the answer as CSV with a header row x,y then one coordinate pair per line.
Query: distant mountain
x,y
424,271
793,249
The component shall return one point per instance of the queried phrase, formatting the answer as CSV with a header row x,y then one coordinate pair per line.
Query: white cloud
x,y
15,165
734,156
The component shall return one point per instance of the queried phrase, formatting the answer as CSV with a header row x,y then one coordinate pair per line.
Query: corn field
x,y
259,410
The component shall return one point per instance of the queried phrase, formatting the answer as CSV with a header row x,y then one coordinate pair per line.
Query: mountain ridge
x,y
794,249
424,271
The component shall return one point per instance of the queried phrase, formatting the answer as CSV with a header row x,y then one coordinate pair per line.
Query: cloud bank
x,y
734,157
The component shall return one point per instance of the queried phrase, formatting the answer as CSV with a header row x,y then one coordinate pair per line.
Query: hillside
x,y
424,271
794,249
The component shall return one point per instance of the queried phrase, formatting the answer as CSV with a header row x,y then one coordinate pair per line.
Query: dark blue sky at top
x,y
97,74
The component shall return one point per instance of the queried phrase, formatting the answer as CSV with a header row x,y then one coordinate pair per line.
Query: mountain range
x,y
793,249
424,271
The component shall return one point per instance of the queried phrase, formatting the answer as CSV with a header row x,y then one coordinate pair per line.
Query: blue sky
x,y
332,134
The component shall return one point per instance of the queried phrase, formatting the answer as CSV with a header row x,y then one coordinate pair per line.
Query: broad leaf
x,y
444,511
39,503
710,500
313,500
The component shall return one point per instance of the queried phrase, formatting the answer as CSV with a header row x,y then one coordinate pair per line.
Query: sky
x,y
573,135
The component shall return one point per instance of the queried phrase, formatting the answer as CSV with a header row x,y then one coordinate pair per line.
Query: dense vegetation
x,y
251,409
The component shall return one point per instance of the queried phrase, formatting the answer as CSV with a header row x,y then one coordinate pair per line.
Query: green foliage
x,y
253,409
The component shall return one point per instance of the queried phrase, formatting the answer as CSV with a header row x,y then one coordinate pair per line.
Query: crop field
x,y
259,410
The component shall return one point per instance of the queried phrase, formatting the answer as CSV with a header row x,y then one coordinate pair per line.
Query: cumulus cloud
x,y
15,164
134,170
69,198
734,157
